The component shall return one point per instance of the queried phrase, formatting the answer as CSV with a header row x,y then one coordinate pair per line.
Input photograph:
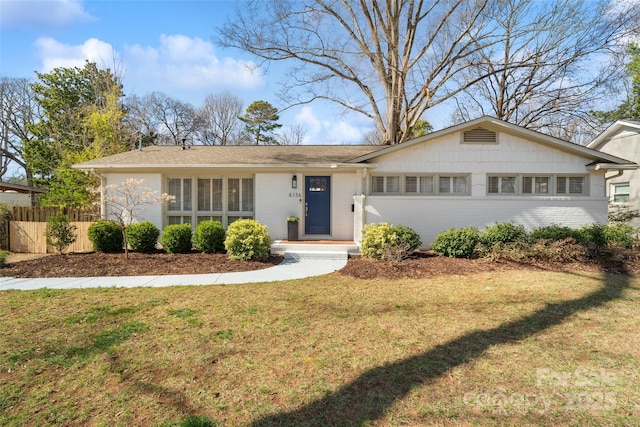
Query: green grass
x,y
514,348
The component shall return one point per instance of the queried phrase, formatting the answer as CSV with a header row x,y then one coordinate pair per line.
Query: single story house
x,y
622,139
472,174
18,194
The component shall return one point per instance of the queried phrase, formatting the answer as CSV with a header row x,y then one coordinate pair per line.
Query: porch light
x,y
294,181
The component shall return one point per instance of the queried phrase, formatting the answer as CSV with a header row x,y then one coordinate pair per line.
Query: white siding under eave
x,y
153,212
343,188
430,216
275,200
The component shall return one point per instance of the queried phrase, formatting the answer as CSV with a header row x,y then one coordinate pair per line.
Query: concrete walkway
x,y
294,266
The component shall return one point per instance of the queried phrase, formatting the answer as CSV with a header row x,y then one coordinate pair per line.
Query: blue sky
x,y
165,45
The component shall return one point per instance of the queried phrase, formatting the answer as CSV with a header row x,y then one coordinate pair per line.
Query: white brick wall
x,y
430,216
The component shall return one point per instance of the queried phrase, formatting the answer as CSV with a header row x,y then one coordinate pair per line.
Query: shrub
x,y
554,233
3,257
176,238
383,241
375,237
209,237
142,236
59,232
619,235
592,236
407,236
501,233
456,242
247,239
105,236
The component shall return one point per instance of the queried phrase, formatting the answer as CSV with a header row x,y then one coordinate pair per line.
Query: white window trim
x,y
612,193
436,184
553,183
194,213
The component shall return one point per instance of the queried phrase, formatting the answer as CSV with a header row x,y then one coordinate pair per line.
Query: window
x,y
218,199
210,195
570,185
420,184
385,184
620,192
181,189
240,195
501,185
536,184
452,185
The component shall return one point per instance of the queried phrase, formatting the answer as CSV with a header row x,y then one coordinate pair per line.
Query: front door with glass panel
x,y
317,205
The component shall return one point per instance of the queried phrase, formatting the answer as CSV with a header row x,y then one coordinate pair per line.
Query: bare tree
x,y
17,110
141,121
178,120
291,135
128,201
544,75
389,60
219,118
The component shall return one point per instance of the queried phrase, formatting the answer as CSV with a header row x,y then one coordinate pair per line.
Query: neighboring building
x,y
18,195
472,174
622,139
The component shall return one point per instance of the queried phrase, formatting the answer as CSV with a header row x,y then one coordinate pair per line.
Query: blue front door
x,y
318,205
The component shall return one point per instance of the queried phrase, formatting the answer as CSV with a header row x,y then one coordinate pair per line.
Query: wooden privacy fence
x,y
28,237
27,225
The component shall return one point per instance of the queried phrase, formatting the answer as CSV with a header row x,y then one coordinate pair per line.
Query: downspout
x,y
619,172
103,201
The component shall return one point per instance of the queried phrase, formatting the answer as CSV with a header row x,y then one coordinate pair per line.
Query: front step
x,y
315,250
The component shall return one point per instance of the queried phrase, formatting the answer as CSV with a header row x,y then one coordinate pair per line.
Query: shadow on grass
x,y
372,393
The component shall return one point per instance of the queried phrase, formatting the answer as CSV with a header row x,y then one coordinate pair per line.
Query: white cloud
x,y
190,63
343,132
55,54
42,14
322,128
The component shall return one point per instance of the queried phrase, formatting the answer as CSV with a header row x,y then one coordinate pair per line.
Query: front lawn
x,y
517,347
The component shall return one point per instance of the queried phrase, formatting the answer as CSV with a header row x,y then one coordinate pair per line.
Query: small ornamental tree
x,y
127,201
59,232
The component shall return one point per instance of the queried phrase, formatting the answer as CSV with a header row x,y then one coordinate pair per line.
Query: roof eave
x,y
336,165
612,166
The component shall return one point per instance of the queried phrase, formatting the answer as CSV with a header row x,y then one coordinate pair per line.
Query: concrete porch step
x,y
315,250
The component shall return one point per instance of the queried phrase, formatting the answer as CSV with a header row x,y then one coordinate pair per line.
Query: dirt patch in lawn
x,y
423,265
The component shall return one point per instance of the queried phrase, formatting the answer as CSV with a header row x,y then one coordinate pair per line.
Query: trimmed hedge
x,y
384,241
176,238
209,237
247,239
105,236
143,236
456,242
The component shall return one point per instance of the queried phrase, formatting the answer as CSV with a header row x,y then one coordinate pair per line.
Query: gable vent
x,y
479,136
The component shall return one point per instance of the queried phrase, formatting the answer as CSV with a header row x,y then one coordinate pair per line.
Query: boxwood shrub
x,y
105,236
501,233
209,237
247,239
554,233
384,241
176,238
456,242
143,236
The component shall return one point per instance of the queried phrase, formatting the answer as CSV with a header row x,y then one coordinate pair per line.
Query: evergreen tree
x,y
261,119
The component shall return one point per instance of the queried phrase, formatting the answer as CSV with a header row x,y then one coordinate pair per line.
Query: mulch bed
x,y
138,264
424,264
